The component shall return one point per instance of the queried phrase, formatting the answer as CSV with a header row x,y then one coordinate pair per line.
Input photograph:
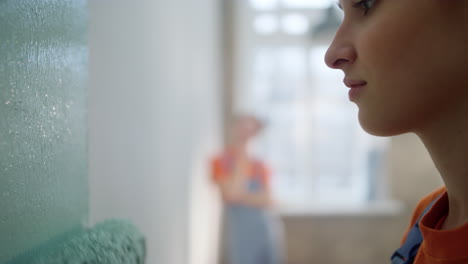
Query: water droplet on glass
x,y
8,102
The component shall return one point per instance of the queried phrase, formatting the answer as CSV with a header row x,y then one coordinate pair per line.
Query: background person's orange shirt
x,y
220,169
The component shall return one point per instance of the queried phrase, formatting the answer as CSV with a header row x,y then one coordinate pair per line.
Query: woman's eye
x,y
365,5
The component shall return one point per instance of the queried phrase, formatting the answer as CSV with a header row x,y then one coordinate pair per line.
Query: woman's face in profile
x,y
403,59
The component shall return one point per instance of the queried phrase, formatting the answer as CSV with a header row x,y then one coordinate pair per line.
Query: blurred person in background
x,y
253,229
405,64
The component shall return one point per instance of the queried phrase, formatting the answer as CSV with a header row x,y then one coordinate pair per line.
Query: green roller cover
x,y
110,242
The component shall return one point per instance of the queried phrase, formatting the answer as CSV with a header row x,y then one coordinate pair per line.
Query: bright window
x,y
318,152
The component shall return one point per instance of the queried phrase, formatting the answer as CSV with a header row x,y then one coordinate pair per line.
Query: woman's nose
x,y
340,52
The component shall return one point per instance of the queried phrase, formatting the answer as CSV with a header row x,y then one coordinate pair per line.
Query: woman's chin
x,y
380,127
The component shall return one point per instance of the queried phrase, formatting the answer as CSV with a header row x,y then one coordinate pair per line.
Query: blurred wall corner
x,y
154,117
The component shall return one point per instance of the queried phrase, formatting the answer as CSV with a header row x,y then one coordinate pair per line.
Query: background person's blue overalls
x,y
254,234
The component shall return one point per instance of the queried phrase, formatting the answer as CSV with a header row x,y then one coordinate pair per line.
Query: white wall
x,y
154,119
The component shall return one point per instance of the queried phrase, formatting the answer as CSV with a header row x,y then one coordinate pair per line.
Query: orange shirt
x,y
220,169
439,246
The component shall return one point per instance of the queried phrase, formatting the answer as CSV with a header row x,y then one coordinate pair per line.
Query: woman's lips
x,y
356,87
354,83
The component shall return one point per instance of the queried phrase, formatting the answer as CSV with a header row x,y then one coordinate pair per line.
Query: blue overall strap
x,y
407,252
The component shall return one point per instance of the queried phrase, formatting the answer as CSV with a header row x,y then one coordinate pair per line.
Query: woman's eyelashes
x,y
365,5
